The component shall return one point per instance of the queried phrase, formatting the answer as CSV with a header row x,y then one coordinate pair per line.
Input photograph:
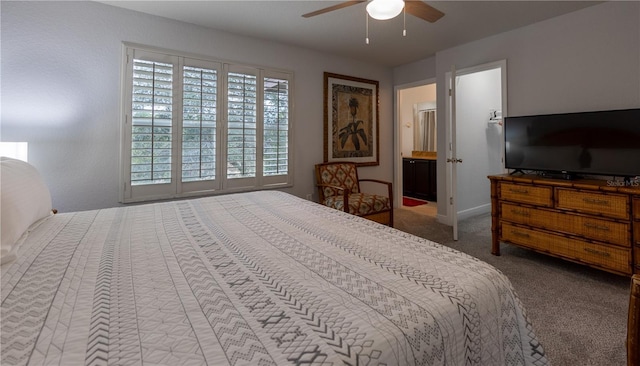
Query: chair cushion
x,y
342,175
359,203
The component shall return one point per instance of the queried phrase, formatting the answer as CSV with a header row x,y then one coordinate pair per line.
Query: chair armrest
x,y
375,181
388,184
334,187
345,194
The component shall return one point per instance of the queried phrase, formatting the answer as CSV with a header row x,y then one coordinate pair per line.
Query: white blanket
x,y
260,278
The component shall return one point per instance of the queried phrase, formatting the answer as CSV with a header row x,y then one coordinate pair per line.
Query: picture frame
x,y
351,119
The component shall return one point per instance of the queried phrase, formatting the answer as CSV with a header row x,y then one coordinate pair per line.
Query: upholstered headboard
x,y
24,201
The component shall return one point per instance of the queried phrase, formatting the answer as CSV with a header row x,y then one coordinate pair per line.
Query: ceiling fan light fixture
x,y
384,9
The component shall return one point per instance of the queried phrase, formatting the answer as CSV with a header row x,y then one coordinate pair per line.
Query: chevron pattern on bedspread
x,y
259,278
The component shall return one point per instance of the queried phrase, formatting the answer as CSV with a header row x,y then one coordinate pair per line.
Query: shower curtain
x,y
424,134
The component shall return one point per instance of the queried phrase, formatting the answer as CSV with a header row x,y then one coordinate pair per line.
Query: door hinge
x,y
451,200
450,92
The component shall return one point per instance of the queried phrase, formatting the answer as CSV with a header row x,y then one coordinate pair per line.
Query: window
x,y
199,117
276,126
151,122
194,126
15,150
242,126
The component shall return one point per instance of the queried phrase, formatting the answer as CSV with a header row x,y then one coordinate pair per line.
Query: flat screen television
x,y
575,144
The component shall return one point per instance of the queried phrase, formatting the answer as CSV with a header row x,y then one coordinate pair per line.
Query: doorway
x,y
416,136
474,128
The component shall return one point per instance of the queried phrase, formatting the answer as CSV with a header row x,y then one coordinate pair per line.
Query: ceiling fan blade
x,y
332,8
423,10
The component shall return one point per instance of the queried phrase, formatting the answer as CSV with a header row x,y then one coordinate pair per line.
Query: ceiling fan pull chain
x,y
404,21
366,15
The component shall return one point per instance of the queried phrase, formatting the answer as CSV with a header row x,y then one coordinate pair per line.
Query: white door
x,y
452,155
476,104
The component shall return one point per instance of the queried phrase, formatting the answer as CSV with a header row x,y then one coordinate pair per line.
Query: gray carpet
x,y
578,313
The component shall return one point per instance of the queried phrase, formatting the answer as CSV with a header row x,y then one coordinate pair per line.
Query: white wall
x,y
416,71
581,61
61,91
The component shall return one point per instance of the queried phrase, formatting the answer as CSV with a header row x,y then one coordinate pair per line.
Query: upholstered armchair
x,y
339,188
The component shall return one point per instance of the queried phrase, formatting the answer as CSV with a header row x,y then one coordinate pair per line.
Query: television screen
x,y
588,143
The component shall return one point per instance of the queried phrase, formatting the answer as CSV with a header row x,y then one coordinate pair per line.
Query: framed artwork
x,y
350,119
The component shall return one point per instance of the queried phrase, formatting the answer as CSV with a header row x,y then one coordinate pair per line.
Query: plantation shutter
x,y
276,126
151,122
200,98
149,145
242,118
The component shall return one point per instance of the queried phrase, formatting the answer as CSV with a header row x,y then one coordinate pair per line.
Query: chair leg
x,y
345,200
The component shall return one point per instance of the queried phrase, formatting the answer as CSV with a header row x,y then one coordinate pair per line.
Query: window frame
x,y
272,179
221,183
202,187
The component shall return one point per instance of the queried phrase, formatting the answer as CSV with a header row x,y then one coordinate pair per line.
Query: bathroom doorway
x,y
416,140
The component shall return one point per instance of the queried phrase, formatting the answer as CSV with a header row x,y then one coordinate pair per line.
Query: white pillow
x,y
24,200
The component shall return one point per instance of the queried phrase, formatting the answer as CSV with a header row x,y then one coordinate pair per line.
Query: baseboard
x,y
475,211
465,214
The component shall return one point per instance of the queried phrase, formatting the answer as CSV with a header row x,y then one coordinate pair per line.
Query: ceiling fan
x,y
389,9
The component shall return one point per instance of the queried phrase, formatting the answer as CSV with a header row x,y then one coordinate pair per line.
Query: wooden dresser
x,y
593,222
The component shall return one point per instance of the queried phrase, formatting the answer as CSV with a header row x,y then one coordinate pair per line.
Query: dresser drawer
x,y
540,196
636,208
589,227
636,233
610,257
529,238
605,256
611,205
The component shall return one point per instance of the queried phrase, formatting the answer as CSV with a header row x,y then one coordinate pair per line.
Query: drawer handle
x,y
596,227
597,252
520,234
519,190
594,201
521,212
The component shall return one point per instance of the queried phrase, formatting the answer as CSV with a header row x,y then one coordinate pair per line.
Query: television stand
x,y
588,221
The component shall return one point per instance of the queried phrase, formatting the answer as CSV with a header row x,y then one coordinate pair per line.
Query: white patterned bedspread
x,y
260,278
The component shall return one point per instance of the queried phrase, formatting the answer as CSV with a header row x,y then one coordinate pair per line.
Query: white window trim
x,y
221,185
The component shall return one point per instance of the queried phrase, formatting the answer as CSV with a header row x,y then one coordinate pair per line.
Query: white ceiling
x,y
342,32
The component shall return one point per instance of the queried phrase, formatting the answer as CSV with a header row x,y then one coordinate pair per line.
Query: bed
x,y
259,278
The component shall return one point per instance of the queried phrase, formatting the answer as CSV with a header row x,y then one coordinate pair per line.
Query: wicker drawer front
x,y
615,258
636,208
610,257
592,228
522,236
611,205
636,233
540,196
